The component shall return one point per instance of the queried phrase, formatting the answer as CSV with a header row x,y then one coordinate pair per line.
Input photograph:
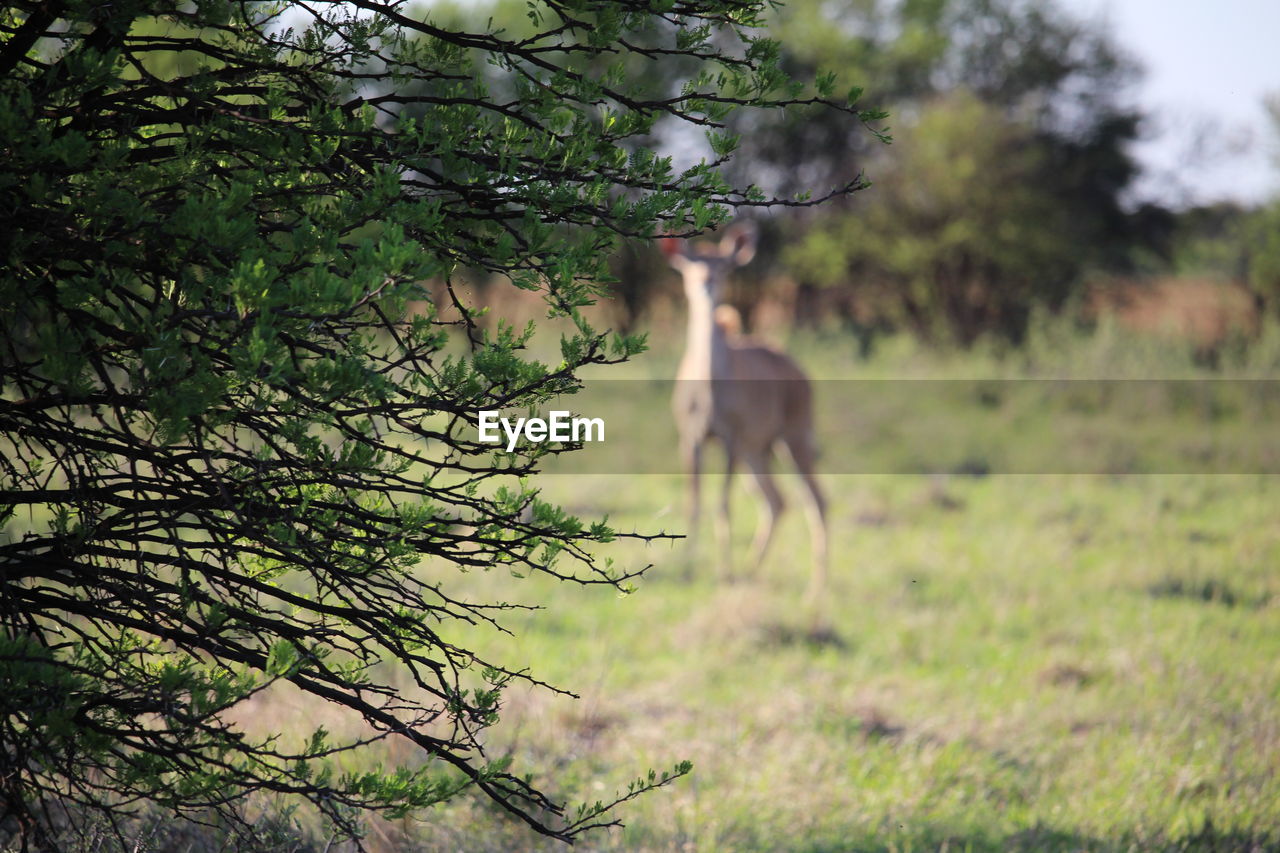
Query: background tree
x,y
960,238
1262,228
1231,241
227,457
1052,95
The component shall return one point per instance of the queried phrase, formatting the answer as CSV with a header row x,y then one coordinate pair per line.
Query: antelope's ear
x,y
672,250
739,243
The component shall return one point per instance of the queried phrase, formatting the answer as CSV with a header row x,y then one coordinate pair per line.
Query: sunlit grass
x,y
1013,662
1030,662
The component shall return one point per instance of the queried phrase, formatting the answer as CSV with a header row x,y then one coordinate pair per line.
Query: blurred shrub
x,y
961,236
1003,186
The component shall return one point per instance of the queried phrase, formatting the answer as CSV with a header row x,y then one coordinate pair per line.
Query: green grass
x,y
1021,662
1013,662
1025,662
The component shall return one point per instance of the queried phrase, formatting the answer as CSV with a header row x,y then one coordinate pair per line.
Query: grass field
x,y
1025,662
1038,661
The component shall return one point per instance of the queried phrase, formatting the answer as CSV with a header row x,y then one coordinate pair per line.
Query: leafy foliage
x,y
230,455
1011,79
960,239
1227,240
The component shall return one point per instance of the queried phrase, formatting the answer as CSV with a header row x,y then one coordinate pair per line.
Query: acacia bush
x,y
229,457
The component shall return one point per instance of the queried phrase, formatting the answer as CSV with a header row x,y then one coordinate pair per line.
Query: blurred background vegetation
x,y
1008,191
1034,662
1022,663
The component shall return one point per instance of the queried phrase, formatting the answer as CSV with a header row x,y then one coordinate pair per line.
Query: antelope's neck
x,y
706,353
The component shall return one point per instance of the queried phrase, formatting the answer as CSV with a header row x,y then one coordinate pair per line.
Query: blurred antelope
x,y
744,393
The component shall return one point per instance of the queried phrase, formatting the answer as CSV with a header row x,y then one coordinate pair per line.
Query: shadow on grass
x,y
1043,838
1211,591
815,637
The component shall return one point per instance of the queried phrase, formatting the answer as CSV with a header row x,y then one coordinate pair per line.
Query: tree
x,y
1051,85
229,458
1038,65
1262,228
960,238
1233,241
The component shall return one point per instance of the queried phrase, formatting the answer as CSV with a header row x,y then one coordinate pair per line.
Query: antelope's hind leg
x,y
801,448
691,451
724,519
771,507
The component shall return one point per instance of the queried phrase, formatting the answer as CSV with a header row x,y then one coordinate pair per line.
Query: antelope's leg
x,y
770,509
802,452
724,528
692,453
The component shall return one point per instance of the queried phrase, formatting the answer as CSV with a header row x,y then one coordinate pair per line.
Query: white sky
x,y
1209,64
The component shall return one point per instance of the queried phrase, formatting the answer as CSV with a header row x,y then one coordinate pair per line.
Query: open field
x,y
1030,662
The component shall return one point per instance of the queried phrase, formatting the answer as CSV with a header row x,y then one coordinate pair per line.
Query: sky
x,y
1209,64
